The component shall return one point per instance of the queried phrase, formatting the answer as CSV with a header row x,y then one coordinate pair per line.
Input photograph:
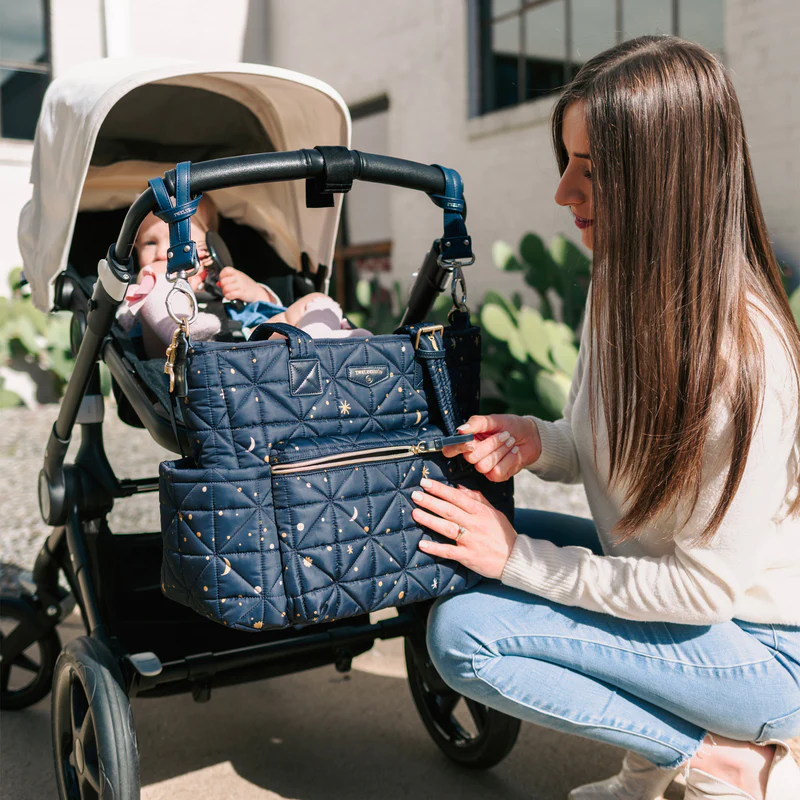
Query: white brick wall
x,y
416,52
762,51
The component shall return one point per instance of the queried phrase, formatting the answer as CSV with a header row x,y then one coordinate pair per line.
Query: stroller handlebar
x,y
284,166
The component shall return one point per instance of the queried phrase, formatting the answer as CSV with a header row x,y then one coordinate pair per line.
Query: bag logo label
x,y
368,374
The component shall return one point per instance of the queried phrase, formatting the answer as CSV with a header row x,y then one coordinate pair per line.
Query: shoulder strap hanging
x,y
430,350
456,243
182,253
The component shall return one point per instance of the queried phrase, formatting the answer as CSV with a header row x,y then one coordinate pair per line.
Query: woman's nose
x,y
569,193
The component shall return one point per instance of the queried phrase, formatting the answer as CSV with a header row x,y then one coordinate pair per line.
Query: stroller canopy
x,y
109,125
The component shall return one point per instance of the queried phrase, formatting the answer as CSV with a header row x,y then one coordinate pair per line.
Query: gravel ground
x,y
133,454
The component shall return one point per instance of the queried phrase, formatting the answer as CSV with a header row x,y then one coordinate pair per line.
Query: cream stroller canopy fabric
x,y
109,125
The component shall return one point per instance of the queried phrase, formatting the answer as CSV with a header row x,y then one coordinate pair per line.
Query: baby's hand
x,y
236,285
196,281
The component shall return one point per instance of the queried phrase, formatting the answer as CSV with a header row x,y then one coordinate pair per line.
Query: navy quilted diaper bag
x,y
295,507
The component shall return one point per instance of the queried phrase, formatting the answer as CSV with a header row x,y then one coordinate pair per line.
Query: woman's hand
x,y
488,537
504,444
236,285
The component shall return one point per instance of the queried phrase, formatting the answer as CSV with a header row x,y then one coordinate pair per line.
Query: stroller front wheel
x,y
94,741
26,675
479,739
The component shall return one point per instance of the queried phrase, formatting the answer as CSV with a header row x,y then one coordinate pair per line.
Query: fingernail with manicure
x,y
425,482
515,450
464,428
510,441
416,495
503,436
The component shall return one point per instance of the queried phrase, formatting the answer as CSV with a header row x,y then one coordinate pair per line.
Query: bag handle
x,y
301,345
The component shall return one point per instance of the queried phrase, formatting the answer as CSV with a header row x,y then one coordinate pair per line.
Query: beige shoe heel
x,y
637,780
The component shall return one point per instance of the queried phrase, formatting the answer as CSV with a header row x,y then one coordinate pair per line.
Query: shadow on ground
x,y
315,735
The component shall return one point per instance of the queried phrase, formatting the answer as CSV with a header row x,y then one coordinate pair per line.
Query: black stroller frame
x,y
121,607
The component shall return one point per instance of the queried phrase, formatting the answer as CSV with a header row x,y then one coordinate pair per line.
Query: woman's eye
x,y
587,174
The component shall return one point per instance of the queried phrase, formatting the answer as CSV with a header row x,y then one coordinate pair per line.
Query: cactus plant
x,y
794,303
531,353
35,356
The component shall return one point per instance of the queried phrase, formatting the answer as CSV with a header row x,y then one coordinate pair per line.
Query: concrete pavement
x,y
317,735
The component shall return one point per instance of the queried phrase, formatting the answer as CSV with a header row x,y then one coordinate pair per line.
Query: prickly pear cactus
x,y
531,354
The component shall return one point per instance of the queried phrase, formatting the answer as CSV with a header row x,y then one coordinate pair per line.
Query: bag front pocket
x,y
343,512
221,555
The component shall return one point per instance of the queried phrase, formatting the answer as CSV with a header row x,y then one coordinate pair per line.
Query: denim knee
x,y
449,644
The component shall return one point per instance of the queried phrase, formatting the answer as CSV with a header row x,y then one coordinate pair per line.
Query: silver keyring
x,y
182,287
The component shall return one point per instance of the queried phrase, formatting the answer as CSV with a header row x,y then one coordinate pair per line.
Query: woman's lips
x,y
583,223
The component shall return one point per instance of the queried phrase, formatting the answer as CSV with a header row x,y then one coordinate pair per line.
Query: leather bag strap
x,y
430,350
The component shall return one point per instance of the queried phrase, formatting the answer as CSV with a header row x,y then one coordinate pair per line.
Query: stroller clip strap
x,y
456,244
182,254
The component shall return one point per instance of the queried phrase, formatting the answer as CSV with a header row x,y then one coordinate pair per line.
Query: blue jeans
x,y
652,687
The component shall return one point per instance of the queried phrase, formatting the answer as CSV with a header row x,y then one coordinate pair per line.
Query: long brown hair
x,y
680,243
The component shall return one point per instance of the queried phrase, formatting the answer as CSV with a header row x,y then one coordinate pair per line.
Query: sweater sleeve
x,y
697,584
559,457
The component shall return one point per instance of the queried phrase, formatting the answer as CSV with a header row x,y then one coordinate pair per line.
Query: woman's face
x,y
575,188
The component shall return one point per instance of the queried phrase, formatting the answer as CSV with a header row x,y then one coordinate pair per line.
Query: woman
x,y
671,626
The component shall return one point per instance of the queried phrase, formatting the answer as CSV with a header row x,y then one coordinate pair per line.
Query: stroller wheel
x,y
94,741
471,734
26,677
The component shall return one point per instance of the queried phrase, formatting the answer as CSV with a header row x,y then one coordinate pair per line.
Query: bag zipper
x,y
373,454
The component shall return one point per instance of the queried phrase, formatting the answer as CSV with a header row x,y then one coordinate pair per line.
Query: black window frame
x,y
483,66
43,67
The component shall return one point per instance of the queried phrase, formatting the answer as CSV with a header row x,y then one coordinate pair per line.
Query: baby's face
x,y
152,243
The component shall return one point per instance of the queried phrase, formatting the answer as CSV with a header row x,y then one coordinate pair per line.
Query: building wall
x,y
762,39
416,52
209,29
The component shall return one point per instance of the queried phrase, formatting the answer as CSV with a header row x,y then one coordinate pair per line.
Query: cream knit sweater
x,y
751,568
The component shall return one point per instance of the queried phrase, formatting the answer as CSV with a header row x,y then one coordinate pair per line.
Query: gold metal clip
x,y
430,331
172,349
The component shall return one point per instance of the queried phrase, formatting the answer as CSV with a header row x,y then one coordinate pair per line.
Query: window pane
x,y
505,62
21,96
701,21
22,31
504,6
545,48
646,16
593,28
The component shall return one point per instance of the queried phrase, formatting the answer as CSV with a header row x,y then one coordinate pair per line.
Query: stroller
x,y
105,129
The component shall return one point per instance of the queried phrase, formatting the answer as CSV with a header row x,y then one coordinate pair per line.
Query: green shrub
x,y
530,354
381,310
35,357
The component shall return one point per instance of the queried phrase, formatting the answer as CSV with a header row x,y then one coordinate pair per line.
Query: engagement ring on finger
x,y
461,531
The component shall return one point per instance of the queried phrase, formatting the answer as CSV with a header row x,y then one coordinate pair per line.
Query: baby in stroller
x,y
144,311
